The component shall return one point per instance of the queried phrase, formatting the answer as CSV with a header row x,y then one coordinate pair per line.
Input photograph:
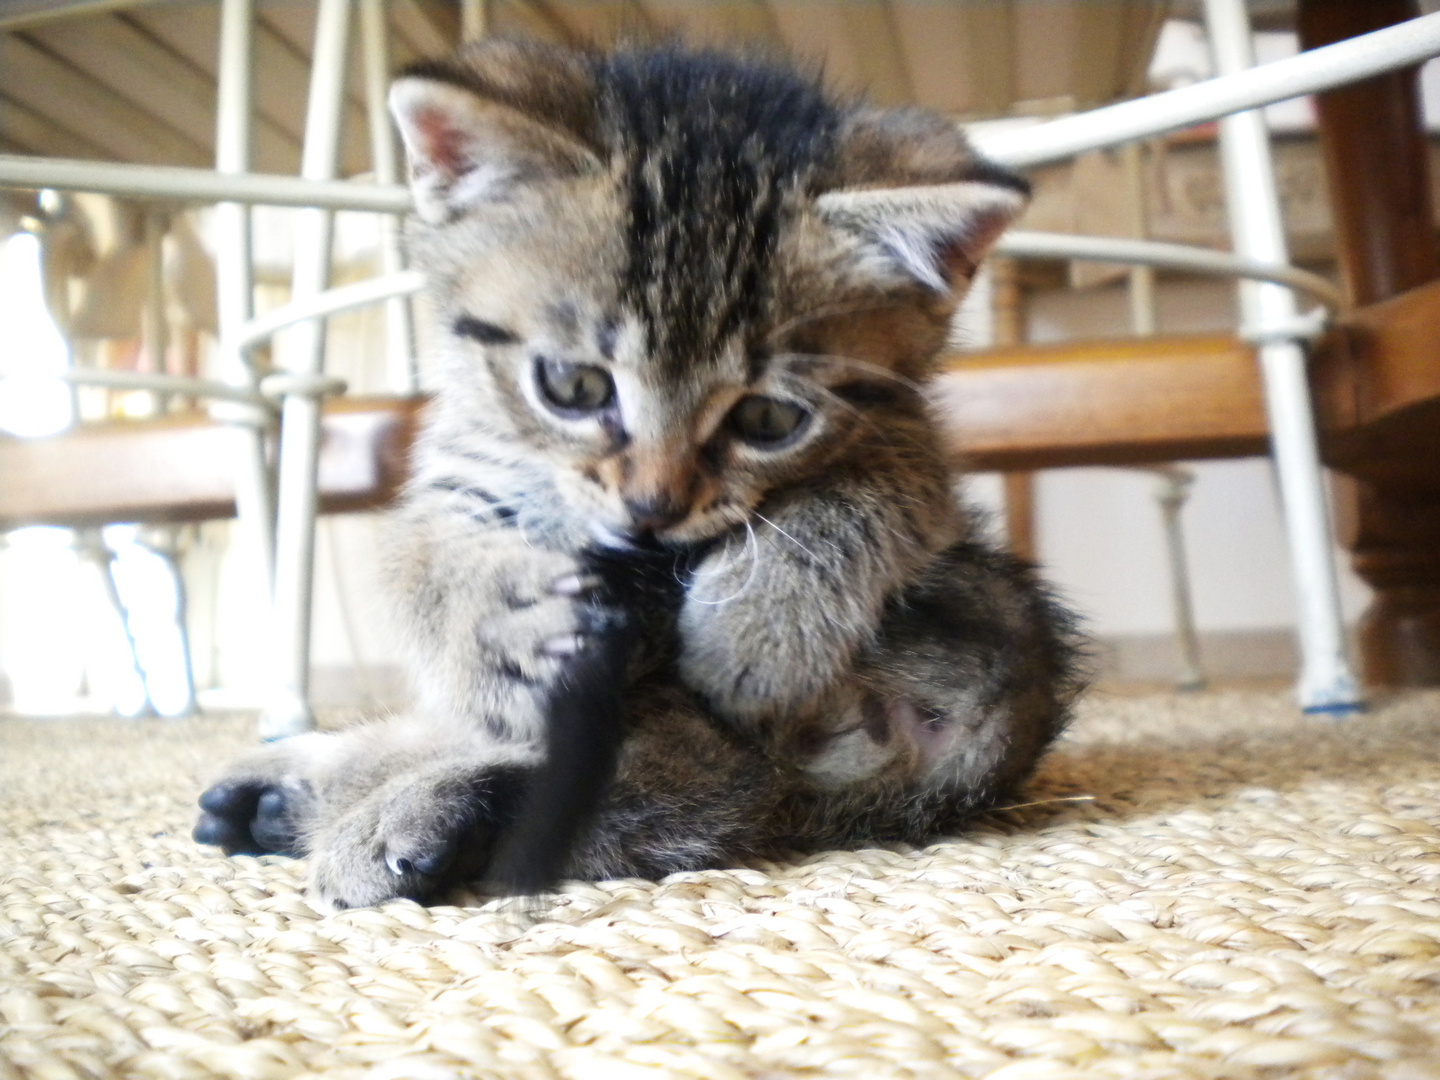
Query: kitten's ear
x,y
935,234
466,149
918,199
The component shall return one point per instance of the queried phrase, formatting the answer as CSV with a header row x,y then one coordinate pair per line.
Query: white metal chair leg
x,y
1171,492
91,547
1327,682
163,542
235,285
399,324
287,711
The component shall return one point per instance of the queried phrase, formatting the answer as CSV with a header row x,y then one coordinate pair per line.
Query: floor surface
x,y
1206,886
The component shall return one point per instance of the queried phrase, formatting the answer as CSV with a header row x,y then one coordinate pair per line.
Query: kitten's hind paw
x,y
414,837
249,817
264,802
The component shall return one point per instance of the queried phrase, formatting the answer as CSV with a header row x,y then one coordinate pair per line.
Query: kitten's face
x,y
678,283
647,448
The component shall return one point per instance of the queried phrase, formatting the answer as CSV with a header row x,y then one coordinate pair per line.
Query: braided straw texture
x,y
1249,894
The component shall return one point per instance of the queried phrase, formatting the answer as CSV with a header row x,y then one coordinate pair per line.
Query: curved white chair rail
x,y
330,302
279,383
1347,61
1398,46
164,384
1048,245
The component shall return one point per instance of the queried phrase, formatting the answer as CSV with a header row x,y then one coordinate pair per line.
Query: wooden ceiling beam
x,y
41,135
143,70
1096,54
1142,30
745,22
1043,58
137,68
426,29
637,14
193,32
989,51
808,31
760,15
53,89
512,18
294,25
880,55
557,28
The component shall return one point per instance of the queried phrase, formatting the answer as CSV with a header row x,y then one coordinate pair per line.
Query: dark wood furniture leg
x,y
1007,308
1375,157
1020,515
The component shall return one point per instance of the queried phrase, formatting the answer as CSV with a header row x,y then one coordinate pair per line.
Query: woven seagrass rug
x,y
1206,886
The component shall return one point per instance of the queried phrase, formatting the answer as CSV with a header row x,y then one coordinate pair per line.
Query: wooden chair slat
x,y
1126,402
180,468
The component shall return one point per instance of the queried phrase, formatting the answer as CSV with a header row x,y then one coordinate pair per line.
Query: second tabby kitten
x,y
687,307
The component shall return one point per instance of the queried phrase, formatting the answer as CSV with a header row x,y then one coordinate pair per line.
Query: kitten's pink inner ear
x,y
936,234
438,142
465,149
435,121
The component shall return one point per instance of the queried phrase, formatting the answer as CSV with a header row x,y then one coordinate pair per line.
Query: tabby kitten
x,y
679,501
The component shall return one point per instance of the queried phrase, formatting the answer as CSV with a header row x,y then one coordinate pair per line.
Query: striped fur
x,y
686,306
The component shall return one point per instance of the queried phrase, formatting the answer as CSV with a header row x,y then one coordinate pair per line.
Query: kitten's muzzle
x,y
624,540
654,514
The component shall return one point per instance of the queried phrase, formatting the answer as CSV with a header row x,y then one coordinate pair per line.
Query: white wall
x,y
1099,530
1100,540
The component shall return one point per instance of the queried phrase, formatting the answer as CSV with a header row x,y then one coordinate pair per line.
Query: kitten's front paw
x,y
550,613
262,805
759,641
413,838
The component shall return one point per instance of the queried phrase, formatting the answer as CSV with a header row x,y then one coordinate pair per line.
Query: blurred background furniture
x,y
228,461
100,85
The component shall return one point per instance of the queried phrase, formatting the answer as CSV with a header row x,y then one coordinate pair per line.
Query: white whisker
x,y
860,365
752,545
860,415
1044,802
787,536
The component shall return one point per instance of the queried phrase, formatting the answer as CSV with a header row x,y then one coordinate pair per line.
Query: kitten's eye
x,y
574,387
767,422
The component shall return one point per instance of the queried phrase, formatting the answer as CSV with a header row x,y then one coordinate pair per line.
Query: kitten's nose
x,y
655,512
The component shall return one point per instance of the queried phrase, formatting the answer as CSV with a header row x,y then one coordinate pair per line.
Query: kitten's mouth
x,y
615,540
645,542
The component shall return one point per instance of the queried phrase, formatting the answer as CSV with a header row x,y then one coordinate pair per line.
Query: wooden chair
x,y
1375,377
180,468
345,455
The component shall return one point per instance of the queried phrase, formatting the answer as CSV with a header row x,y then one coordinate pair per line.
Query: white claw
x,y
565,645
575,584
396,865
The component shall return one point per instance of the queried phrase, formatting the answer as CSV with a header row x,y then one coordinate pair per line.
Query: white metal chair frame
x,y
1326,682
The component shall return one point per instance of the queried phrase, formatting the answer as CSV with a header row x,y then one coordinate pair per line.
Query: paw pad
x,y
243,818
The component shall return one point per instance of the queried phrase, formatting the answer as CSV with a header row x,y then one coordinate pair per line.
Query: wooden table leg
x,y
1375,156
1007,305
1020,514
1395,544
